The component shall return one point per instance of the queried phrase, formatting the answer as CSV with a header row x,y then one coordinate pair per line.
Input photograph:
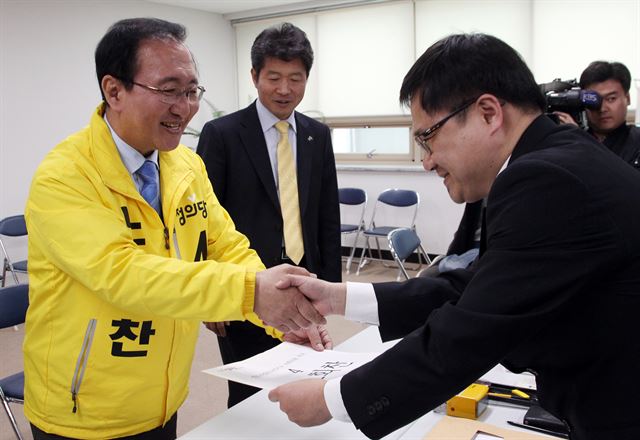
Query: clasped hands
x,y
294,301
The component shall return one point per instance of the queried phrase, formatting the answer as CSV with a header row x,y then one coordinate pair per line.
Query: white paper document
x,y
290,362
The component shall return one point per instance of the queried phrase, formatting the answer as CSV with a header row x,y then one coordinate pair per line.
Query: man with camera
x,y
608,124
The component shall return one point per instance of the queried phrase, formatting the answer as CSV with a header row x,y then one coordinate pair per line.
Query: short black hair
x,y
285,42
462,67
600,71
117,51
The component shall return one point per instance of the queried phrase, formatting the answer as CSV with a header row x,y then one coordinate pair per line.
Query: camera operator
x,y
611,81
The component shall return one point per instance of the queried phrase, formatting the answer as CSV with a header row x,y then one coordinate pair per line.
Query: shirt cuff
x,y
361,304
333,399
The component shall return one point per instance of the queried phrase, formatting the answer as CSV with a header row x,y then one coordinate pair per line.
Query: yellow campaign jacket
x,y
116,295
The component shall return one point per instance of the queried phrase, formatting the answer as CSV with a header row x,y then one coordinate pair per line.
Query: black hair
x,y
600,71
285,42
117,51
461,67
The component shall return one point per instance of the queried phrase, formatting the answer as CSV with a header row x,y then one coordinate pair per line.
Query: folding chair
x,y
402,243
352,197
13,226
401,202
14,301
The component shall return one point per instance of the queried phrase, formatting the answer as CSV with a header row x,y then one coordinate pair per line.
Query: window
x,y
365,139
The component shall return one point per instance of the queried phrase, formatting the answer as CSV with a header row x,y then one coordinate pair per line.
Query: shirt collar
x,y
268,119
131,157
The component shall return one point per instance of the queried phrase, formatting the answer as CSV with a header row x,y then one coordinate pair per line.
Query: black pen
x,y
542,430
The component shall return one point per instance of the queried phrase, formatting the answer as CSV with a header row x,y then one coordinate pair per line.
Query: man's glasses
x,y
172,95
422,138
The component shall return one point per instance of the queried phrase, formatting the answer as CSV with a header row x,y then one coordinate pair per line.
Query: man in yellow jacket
x,y
129,250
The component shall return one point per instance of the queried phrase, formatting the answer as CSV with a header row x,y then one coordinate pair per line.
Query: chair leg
x,y
4,273
426,256
363,260
12,419
353,251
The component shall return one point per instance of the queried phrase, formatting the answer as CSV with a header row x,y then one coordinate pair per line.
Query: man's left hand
x,y
303,402
316,337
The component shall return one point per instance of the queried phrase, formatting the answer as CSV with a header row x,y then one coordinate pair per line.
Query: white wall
x,y
48,85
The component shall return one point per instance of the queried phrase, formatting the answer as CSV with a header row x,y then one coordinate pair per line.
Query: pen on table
x,y
503,395
519,393
542,430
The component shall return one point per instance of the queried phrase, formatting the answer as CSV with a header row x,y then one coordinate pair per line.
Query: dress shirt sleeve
x,y
362,304
333,399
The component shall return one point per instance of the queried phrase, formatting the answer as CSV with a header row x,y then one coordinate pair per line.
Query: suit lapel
x,y
305,142
253,141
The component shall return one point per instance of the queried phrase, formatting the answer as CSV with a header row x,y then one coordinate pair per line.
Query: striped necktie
x,y
149,175
288,188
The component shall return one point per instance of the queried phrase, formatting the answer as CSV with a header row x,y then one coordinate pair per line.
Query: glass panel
x,y
374,140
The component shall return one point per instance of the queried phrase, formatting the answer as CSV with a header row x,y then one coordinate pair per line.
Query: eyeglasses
x,y
422,138
172,95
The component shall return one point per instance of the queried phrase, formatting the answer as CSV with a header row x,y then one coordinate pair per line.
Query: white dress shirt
x,y
271,136
132,158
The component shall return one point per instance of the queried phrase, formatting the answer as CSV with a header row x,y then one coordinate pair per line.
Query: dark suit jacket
x,y
235,154
624,141
557,292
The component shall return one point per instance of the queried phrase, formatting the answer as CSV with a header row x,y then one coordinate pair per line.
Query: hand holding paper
x,y
283,308
303,402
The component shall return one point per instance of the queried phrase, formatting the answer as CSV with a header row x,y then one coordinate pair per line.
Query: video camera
x,y
568,97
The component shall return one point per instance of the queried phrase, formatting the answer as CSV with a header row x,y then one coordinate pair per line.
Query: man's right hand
x,y
328,298
283,308
565,118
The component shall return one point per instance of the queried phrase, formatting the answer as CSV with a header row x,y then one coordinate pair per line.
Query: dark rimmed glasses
x,y
422,137
172,95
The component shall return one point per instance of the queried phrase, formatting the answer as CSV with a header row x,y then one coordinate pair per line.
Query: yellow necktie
x,y
289,204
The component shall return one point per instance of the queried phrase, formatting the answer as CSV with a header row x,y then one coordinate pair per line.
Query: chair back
x,y
399,197
403,242
404,199
14,301
13,226
352,196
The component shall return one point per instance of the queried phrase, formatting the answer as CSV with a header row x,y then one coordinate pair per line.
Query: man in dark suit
x,y
556,290
243,158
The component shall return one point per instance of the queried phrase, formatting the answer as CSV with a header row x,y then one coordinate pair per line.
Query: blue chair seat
x,y
348,228
382,231
13,386
20,265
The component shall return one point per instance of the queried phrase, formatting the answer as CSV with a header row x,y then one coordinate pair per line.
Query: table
x,y
258,418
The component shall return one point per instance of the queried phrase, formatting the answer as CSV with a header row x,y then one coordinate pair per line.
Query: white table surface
x,y
258,418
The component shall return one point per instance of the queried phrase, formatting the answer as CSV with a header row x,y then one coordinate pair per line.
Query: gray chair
x,y
14,301
403,203
402,243
355,198
13,226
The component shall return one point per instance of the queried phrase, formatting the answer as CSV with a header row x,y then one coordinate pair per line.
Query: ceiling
x,y
228,6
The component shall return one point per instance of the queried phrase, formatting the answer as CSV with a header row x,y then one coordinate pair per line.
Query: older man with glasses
x,y
129,251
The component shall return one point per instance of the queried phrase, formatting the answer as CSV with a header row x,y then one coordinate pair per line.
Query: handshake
x,y
294,301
